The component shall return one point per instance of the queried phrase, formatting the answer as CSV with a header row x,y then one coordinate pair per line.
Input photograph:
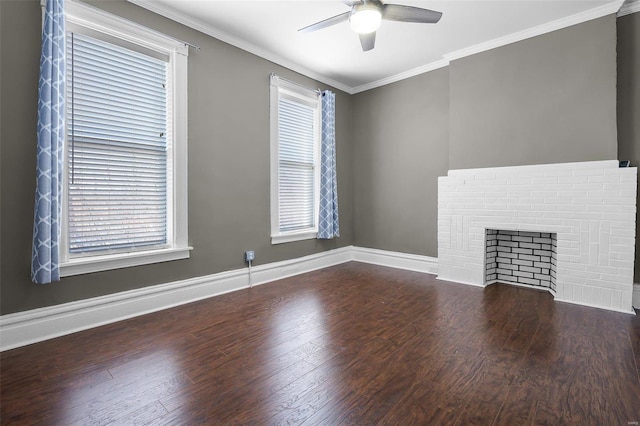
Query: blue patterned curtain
x,y
328,225
51,107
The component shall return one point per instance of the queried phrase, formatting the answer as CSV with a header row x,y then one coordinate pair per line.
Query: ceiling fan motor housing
x,y
366,17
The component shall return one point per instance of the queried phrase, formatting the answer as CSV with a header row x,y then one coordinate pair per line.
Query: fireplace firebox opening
x,y
522,258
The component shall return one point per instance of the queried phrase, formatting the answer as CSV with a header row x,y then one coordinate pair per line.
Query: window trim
x,y
307,96
178,247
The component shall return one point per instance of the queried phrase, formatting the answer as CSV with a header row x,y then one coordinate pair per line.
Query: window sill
x,y
86,265
298,236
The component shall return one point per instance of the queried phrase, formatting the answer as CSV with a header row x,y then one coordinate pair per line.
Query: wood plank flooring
x,y
352,344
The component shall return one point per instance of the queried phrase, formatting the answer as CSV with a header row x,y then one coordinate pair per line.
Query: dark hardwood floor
x,y
351,344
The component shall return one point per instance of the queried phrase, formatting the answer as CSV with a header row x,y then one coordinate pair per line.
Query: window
x,y
295,153
125,159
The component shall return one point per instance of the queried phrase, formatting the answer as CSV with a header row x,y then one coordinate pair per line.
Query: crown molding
x,y
548,27
402,76
629,7
234,41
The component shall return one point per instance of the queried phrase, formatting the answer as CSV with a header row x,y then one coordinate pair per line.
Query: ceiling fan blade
x,y
368,41
396,12
326,23
351,3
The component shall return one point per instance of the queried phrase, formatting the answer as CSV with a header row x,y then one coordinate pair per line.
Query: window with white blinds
x,y
117,147
296,165
125,186
295,156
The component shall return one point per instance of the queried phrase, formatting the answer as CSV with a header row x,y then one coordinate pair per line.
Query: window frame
x,y
310,98
177,246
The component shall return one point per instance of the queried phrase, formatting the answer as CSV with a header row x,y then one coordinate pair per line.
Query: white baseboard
x,y
392,259
451,280
24,328
36,325
590,305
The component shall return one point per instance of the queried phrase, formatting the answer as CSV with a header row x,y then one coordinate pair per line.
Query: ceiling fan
x,y
366,16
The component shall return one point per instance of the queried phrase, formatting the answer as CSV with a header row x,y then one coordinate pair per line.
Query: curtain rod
x,y
316,91
43,4
160,33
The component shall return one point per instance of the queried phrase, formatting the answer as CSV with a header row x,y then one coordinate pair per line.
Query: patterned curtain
x,y
51,132
328,226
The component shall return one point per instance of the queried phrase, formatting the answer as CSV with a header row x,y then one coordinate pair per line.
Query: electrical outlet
x,y
249,256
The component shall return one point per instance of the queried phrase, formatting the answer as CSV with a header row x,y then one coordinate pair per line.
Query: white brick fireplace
x,y
587,209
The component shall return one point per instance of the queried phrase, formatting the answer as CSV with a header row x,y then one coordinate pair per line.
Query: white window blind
x,y
296,165
117,156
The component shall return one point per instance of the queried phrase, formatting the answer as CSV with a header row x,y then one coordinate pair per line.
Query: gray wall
x,y
543,100
401,147
228,163
629,99
548,99
2,24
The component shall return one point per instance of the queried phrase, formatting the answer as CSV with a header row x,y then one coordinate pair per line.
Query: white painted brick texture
x,y
590,206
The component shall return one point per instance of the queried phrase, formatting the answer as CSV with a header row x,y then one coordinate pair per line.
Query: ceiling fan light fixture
x,y
365,19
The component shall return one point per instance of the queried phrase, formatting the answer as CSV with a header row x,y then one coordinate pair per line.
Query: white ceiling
x,y
333,55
